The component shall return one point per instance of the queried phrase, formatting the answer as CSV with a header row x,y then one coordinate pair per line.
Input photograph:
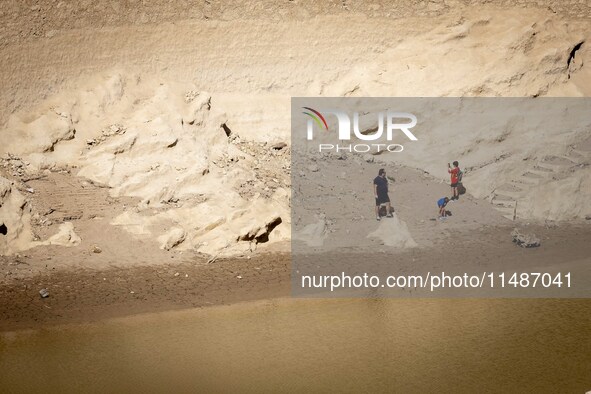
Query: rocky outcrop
x,y
15,218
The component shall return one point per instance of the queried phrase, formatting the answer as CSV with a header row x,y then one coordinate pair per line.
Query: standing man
x,y
454,172
380,191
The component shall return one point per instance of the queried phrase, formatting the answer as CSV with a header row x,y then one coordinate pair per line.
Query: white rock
x,y
173,238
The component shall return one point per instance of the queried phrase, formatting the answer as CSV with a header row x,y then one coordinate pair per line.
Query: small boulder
x,y
278,146
173,238
368,158
525,240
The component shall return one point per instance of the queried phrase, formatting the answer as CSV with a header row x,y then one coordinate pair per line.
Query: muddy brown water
x,y
314,345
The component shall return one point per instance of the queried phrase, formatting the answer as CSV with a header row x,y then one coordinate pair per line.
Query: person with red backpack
x,y
456,178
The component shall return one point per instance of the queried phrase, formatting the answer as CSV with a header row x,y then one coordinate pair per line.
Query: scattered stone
x,y
44,293
65,236
96,249
259,232
588,217
177,274
171,200
173,238
525,240
112,130
278,146
368,158
14,165
313,168
191,95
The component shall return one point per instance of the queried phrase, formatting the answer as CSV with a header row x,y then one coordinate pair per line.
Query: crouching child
x,y
441,203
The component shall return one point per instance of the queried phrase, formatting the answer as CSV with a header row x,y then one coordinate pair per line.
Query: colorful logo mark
x,y
317,116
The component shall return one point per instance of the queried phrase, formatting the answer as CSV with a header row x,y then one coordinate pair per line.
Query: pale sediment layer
x,y
184,120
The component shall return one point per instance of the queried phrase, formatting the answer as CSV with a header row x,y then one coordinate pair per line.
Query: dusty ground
x,y
41,18
71,71
131,276
187,97
92,294
111,272
87,294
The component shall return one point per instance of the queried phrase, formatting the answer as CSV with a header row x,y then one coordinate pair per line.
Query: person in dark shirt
x,y
380,189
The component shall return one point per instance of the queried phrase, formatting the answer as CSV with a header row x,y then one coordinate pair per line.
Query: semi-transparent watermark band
x,y
441,197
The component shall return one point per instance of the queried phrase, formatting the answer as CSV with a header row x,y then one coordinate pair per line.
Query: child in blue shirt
x,y
441,203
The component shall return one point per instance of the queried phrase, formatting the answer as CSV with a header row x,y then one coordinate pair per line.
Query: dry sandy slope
x,y
34,19
300,56
133,88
